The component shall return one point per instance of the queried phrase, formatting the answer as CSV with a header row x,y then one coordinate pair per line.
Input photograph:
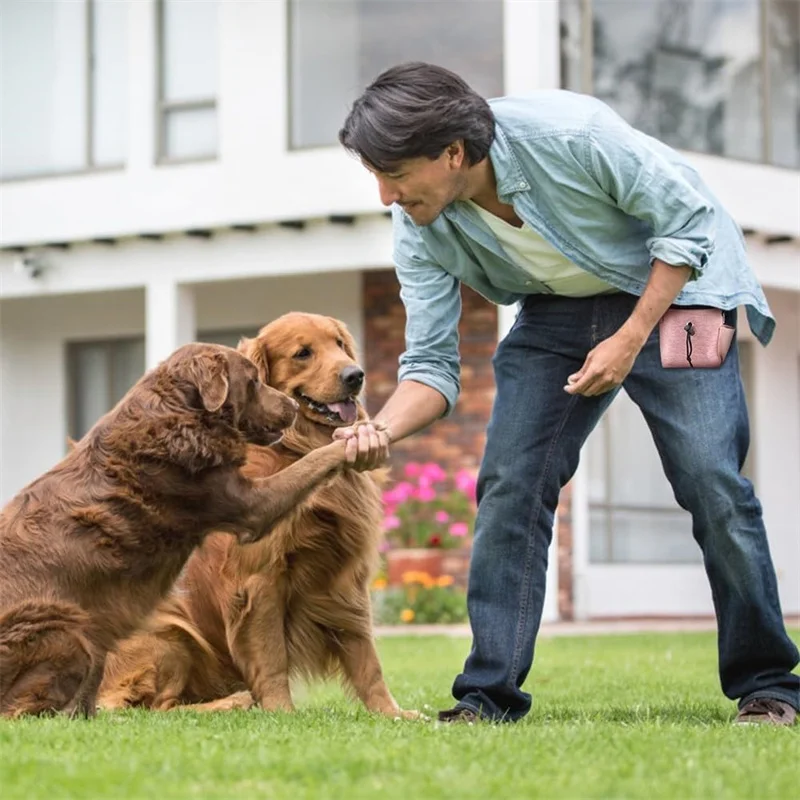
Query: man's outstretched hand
x,y
367,444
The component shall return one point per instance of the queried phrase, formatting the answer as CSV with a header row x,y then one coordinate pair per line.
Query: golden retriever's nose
x,y
352,378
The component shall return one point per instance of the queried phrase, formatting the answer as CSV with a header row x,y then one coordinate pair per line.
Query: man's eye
x,y
303,352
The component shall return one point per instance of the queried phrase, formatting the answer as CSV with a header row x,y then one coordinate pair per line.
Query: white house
x,y
169,171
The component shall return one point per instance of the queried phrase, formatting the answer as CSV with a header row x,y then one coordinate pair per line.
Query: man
x,y
555,202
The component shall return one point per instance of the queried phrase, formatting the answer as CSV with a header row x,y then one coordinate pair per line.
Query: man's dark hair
x,y
414,110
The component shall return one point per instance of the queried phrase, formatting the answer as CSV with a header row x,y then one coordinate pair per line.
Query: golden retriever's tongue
x,y
346,410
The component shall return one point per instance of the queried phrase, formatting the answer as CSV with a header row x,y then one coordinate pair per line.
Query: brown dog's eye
x,y
302,353
340,343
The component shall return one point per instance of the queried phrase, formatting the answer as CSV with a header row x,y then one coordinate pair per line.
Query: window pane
x,y
633,514
100,375
43,87
110,82
189,58
784,63
645,537
571,31
686,71
190,133
90,384
127,366
339,46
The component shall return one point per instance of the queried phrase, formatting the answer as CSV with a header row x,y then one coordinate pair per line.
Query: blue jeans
x,y
698,419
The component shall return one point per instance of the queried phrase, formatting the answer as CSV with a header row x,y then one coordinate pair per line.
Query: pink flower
x,y
441,516
403,491
466,483
433,472
459,529
391,523
384,547
425,482
426,494
412,469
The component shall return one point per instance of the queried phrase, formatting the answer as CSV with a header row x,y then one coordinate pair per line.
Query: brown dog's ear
x,y
255,351
210,376
347,338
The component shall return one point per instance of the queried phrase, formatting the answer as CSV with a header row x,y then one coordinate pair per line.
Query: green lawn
x,y
622,716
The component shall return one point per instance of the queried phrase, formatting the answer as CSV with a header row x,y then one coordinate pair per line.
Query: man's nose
x,y
387,192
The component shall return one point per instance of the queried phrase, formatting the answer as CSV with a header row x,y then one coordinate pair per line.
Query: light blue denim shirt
x,y
608,197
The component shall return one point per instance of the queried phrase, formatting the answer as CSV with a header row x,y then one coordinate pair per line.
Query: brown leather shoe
x,y
766,711
464,716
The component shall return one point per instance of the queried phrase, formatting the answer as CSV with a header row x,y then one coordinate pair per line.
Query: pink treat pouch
x,y
694,337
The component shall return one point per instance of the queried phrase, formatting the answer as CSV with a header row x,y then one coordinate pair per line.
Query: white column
x,y
169,319
505,319
532,42
142,82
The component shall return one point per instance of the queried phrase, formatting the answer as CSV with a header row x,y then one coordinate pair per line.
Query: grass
x,y
619,716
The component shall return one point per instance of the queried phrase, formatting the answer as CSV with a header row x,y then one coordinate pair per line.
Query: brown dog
x,y
89,549
295,604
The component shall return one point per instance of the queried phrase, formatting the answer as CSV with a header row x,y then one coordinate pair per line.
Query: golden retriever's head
x,y
223,381
312,359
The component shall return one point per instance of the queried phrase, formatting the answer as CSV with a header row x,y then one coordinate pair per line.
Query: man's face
x,y
423,187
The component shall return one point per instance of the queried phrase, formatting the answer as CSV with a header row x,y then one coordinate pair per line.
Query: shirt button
x,y
523,185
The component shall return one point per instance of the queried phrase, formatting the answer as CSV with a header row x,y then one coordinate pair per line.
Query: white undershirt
x,y
535,255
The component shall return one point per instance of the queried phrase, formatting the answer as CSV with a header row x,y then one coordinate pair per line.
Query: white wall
x,y
776,443
34,333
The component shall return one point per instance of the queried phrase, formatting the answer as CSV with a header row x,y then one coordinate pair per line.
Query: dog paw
x,y
241,701
402,713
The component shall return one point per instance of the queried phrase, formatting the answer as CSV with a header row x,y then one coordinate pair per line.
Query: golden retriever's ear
x,y
254,350
209,373
347,338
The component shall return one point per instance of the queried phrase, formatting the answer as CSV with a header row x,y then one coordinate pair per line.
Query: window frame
x,y
164,107
88,121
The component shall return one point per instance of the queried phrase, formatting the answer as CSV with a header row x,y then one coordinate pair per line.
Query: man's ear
x,y
256,351
209,373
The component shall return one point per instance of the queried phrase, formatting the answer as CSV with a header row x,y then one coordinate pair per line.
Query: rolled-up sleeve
x,y
432,300
643,183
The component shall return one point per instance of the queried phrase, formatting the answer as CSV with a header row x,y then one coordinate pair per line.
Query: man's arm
x,y
428,379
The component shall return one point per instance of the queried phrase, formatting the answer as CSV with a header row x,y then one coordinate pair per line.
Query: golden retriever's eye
x,y
303,353
340,343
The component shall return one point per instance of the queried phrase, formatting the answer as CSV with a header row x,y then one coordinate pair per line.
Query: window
x,y
187,125
633,514
63,82
719,77
337,48
99,374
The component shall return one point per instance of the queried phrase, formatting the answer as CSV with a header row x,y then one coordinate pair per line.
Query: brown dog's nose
x,y
352,378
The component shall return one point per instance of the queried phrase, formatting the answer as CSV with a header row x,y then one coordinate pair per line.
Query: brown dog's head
x,y
312,359
221,380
